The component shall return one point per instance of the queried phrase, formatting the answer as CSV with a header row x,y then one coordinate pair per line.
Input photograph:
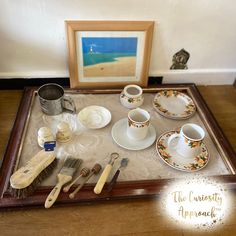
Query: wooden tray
x,y
123,190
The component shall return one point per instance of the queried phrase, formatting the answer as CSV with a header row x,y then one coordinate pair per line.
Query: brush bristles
x,y
71,162
25,192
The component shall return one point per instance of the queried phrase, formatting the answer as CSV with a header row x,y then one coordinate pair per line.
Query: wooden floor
x,y
136,217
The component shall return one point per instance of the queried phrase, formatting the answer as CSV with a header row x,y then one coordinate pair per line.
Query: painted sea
x,y
93,59
109,56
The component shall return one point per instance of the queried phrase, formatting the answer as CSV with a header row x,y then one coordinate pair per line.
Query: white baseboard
x,y
34,74
199,77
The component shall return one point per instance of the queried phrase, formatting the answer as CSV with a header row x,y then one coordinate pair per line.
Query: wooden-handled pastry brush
x,y
64,176
25,180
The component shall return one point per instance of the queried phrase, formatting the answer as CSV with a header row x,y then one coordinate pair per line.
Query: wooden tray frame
x,y
122,190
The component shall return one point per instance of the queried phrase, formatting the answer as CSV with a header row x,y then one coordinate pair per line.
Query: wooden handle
x,y
113,181
72,195
67,187
52,197
102,180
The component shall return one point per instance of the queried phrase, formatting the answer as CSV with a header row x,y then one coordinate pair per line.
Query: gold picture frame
x,y
109,54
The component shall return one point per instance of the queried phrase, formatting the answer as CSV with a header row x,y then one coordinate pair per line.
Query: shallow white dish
x,y
94,117
174,104
119,135
167,152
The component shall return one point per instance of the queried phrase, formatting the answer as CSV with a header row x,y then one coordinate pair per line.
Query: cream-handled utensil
x,y
102,180
64,176
83,173
95,170
123,164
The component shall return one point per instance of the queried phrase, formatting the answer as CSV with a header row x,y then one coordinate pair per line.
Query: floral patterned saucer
x,y
169,155
174,104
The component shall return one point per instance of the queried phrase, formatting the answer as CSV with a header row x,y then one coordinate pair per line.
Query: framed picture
x,y
109,53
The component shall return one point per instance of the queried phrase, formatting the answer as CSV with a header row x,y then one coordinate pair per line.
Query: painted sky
x,y
110,45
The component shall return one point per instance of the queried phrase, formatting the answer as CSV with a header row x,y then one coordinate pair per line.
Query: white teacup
x,y
138,124
132,96
190,140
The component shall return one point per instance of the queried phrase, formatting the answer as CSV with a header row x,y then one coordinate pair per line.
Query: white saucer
x,y
170,156
174,104
94,117
120,136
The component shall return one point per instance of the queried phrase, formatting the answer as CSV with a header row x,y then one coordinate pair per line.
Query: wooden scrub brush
x,y
25,180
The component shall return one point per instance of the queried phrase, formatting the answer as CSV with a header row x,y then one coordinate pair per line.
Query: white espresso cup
x,y
189,140
132,96
138,124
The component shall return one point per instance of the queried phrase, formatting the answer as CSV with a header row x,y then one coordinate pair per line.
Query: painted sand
x,y
123,66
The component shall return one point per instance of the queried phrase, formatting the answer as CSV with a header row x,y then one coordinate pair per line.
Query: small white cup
x,y
64,132
190,140
138,124
132,96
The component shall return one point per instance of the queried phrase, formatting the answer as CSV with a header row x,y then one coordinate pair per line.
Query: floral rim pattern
x,y
192,144
138,125
190,107
195,164
131,100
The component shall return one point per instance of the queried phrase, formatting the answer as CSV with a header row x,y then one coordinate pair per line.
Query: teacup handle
x,y
174,136
72,104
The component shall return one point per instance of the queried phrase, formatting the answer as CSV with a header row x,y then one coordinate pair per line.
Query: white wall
x,y
33,39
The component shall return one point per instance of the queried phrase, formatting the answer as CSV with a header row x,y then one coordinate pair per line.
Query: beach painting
x,y
109,56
